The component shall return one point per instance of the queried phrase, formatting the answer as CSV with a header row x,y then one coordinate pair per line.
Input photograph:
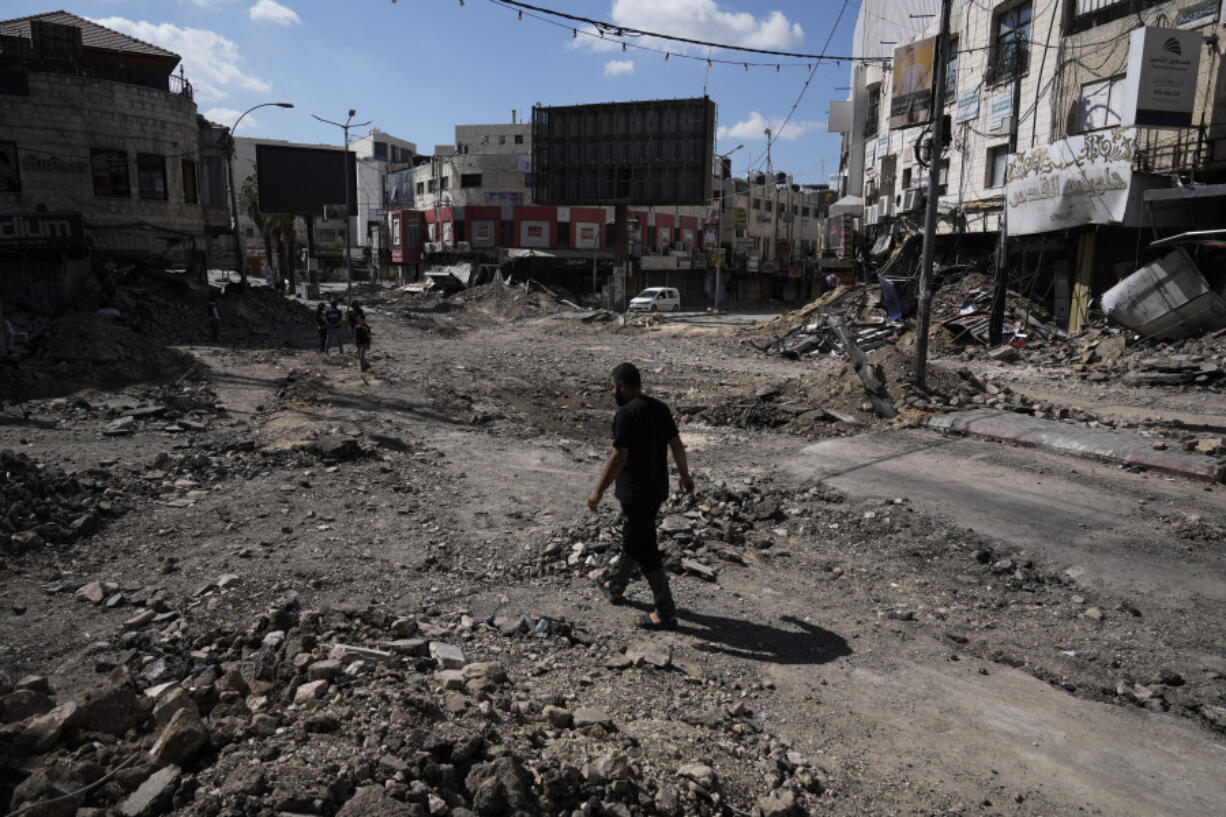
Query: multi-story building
x,y
100,158
377,155
1077,126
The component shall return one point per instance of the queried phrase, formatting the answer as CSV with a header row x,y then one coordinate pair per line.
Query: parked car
x,y
657,299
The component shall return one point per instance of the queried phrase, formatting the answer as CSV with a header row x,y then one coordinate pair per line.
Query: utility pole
x,y
930,217
996,321
719,221
348,204
240,259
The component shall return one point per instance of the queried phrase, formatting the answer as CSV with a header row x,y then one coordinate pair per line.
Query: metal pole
x,y
996,321
719,234
348,233
930,217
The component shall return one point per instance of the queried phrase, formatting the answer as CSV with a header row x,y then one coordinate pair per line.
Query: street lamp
x,y
240,257
719,230
348,237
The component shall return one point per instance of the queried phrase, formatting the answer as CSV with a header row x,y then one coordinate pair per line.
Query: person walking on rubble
x,y
321,323
214,322
361,339
332,320
643,434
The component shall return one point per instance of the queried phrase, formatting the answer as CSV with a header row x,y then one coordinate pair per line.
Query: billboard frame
x,y
652,152
300,183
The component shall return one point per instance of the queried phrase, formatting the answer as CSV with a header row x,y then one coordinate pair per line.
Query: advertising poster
x,y
587,235
534,234
1076,181
911,95
482,234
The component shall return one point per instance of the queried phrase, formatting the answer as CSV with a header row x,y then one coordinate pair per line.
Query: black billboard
x,y
652,152
302,180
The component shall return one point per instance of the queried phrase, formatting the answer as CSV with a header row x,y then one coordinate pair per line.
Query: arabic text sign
x,y
1078,180
968,106
1000,108
1162,68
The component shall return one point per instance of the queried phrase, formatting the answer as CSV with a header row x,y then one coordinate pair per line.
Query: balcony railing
x,y
1184,150
172,83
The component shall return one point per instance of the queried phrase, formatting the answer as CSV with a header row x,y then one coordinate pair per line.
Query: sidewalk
x,y
1091,443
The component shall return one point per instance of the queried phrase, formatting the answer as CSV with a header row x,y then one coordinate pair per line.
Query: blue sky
x,y
419,67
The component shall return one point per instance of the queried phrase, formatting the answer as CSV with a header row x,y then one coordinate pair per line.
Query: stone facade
x,y
65,117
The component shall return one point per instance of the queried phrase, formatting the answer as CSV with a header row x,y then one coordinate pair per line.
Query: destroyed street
x,y
257,580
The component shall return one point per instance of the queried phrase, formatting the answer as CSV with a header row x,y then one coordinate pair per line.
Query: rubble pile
x,y
42,505
358,712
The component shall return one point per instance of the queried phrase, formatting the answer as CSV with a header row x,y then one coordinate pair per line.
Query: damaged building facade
x,y
101,160
1082,129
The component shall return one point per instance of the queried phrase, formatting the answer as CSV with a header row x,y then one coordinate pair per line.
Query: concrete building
x,y
100,156
1049,121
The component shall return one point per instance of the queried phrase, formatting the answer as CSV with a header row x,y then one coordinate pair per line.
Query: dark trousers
x,y
639,547
323,338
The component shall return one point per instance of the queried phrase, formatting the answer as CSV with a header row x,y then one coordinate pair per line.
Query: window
x,y
998,165
757,204
10,176
1010,43
1100,104
421,188
443,182
430,185
519,138
906,178
110,169
151,176
190,196
470,180
250,232
804,212
381,150
502,138
1086,14
874,110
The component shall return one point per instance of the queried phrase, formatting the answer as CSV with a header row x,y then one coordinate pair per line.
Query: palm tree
x,y
251,202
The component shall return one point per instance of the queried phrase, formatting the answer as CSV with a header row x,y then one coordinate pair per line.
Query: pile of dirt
x,y
508,303
90,350
47,505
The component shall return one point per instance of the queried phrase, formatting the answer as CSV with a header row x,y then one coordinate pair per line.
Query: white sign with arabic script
x,y
1078,180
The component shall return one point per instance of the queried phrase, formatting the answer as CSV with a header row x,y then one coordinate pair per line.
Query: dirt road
x,y
923,625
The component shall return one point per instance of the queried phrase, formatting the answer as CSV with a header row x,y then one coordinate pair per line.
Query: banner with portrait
x,y
911,93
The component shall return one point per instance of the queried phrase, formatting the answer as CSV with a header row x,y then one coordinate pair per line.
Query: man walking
x,y
332,319
643,434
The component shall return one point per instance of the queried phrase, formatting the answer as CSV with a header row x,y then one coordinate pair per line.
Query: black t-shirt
x,y
644,425
361,334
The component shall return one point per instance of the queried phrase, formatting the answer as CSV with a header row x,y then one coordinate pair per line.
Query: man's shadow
x,y
806,644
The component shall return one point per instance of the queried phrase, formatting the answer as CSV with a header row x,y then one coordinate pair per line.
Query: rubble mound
x,y
507,302
47,505
356,712
87,350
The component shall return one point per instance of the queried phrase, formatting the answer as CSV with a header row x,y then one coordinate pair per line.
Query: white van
x,y
657,299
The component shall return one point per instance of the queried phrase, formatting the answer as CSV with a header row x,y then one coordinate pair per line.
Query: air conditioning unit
x,y
434,246
870,189
871,216
912,200
885,206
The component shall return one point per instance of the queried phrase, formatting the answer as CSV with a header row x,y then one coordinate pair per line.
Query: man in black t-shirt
x,y
643,434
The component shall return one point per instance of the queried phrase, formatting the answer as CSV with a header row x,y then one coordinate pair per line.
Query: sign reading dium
x,y
1076,181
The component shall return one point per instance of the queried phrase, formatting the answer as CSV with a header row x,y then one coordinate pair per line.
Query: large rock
x,y
44,731
19,705
47,783
154,795
498,788
590,716
371,801
180,740
700,773
170,702
113,710
448,656
781,803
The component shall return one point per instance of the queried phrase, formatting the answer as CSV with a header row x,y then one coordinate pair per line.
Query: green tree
x,y
275,228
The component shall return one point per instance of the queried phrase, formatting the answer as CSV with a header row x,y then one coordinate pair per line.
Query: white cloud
x,y
270,11
211,62
227,116
613,68
698,20
752,129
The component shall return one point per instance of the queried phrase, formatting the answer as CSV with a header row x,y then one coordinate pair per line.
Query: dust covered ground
x,y
271,584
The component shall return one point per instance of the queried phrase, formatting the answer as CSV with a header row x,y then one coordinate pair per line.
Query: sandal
x,y
646,622
613,597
